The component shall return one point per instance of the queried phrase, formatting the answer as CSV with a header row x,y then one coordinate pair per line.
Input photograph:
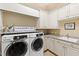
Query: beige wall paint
x,y
73,33
10,18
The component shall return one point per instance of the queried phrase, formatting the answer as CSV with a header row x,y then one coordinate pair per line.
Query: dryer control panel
x,y
20,37
40,34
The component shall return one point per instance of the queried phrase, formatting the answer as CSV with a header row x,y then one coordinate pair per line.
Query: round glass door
x,y
17,49
37,44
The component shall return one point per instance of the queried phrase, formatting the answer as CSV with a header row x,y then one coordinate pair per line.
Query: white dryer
x,y
15,45
36,44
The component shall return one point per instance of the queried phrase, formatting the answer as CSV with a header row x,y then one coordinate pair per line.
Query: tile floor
x,y
48,54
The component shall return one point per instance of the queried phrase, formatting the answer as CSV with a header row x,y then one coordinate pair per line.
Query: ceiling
x,y
45,6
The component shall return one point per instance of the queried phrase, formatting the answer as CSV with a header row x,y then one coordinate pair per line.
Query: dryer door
x,y
37,44
17,49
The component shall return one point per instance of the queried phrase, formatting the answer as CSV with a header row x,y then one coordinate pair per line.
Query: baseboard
x,y
50,52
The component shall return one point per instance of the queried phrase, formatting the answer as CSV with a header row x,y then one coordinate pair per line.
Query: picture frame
x,y
69,26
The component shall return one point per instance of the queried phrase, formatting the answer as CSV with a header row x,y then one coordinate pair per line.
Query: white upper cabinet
x,y
68,11
62,13
48,19
43,19
74,10
53,19
14,7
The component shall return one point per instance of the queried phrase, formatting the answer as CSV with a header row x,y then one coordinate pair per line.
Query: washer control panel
x,y
20,37
14,37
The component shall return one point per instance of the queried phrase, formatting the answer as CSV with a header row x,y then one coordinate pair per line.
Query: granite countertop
x,y
65,39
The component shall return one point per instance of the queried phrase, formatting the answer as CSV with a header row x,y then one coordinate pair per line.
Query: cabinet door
x,y
43,19
51,44
53,19
62,13
73,51
45,43
59,48
74,9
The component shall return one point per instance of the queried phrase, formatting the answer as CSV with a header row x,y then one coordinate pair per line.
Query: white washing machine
x,y
36,44
15,45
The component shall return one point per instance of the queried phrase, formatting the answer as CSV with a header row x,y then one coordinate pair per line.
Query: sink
x,y
64,38
73,39
69,39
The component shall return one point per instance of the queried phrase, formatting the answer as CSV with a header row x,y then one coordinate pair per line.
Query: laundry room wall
x,y
10,18
55,32
73,33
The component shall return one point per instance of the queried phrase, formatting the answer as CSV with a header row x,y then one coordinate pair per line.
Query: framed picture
x,y
69,26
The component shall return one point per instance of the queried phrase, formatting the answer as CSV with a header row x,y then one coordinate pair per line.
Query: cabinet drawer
x,y
75,46
59,42
63,42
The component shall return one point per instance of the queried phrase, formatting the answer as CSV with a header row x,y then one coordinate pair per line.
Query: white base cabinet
x,y
63,49
73,50
59,48
45,43
49,44
66,49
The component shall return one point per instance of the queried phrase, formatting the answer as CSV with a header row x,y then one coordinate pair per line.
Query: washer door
x,y
37,44
17,49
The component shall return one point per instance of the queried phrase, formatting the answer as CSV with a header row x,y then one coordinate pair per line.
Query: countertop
x,y
58,38
11,33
